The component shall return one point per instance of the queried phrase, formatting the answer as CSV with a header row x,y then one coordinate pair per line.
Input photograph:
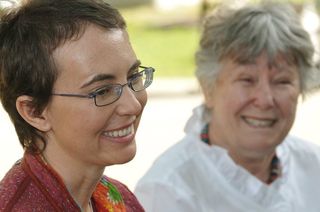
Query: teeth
x,y
120,133
259,122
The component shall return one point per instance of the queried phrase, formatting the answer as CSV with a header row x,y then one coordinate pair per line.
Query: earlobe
x,y
27,111
208,99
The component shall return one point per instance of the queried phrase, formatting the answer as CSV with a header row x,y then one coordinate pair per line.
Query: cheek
x,y
289,107
288,104
142,98
233,99
238,97
77,119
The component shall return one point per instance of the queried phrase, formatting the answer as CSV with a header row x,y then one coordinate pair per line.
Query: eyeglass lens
x,y
112,93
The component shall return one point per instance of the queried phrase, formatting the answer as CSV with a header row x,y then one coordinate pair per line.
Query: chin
x,y
126,155
126,160
123,160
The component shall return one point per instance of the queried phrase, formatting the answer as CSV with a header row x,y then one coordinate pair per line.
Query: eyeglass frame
x,y
94,94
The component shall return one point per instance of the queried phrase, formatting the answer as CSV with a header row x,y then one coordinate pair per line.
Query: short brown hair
x,y
29,34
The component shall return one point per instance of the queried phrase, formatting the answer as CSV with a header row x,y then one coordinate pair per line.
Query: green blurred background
x,y
167,39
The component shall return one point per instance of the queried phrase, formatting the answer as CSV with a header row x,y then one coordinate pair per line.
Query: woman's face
x,y
253,105
80,131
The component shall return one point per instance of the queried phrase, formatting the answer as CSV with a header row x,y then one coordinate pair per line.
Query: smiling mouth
x,y
120,133
259,122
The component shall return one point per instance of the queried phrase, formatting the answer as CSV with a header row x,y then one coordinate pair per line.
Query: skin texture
x,y
253,108
78,132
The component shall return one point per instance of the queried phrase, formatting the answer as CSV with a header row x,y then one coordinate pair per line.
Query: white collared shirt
x,y
192,176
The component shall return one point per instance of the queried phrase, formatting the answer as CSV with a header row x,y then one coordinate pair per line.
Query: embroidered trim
x,y
107,198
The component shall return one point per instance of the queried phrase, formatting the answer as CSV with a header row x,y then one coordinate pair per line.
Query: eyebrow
x,y
102,77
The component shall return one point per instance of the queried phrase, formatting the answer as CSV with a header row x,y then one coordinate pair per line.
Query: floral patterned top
x,y
107,197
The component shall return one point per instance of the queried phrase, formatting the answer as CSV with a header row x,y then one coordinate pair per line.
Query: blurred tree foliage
x,y
166,40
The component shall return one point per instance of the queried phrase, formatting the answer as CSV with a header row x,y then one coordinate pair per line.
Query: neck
x,y
258,166
82,190
257,163
80,179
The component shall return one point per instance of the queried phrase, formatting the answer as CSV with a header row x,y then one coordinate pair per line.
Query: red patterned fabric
x,y
31,185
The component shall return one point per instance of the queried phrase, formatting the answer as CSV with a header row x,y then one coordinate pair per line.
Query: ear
x,y
27,111
208,97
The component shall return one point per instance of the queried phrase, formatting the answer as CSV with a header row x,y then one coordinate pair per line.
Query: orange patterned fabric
x,y
107,198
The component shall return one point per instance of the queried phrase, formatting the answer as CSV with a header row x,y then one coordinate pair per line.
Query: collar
x,y
275,166
106,196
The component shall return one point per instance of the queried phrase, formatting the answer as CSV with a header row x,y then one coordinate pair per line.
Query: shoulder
x,y
12,186
157,196
300,149
171,173
166,165
302,146
130,200
21,190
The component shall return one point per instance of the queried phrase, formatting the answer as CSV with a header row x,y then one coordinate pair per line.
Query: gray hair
x,y
243,34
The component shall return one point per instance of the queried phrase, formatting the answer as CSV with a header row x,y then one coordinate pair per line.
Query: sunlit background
x,y
165,35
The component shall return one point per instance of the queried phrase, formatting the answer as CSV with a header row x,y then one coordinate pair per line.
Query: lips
x,y
259,122
120,132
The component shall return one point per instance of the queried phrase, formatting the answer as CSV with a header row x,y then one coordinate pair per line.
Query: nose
x,y
263,96
128,103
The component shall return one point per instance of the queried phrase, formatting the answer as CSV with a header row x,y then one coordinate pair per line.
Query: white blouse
x,y
192,176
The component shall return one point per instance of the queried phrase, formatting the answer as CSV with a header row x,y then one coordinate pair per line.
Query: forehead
x,y
279,63
96,51
94,42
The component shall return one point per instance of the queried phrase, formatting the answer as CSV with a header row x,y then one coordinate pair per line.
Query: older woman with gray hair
x,y
253,64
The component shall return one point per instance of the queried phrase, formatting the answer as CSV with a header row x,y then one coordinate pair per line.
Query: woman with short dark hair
x,y
75,91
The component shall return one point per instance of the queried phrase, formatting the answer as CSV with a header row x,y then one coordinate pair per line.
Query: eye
x,y
103,91
135,76
283,81
247,80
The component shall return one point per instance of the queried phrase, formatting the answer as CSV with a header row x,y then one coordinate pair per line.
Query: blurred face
x,y
253,106
81,131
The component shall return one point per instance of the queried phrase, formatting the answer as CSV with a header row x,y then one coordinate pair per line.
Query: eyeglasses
x,y
108,94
